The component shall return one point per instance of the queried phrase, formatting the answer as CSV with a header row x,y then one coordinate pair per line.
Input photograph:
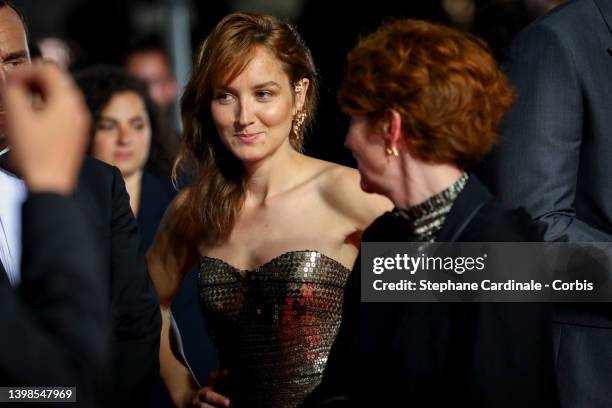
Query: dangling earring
x,y
299,87
298,122
299,118
391,151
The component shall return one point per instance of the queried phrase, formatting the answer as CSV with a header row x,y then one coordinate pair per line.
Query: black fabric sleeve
x,y
135,307
55,326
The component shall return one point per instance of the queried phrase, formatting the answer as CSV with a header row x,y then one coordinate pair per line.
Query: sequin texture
x,y
426,219
273,326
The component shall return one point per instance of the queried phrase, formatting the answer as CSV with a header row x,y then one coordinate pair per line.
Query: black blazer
x,y
443,354
55,326
554,160
136,319
555,146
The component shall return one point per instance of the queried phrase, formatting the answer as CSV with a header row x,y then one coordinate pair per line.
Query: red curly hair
x,y
444,83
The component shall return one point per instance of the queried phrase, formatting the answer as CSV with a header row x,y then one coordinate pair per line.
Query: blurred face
x,y
253,114
152,67
368,148
13,54
122,136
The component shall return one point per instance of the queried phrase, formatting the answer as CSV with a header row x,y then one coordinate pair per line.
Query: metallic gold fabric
x,y
273,326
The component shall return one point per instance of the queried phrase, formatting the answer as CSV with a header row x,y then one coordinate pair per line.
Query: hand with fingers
x,y
206,397
47,142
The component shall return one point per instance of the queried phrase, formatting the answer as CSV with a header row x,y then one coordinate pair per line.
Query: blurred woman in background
x,y
124,133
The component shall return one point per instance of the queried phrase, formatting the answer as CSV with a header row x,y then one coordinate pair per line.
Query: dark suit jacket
x,y
55,327
554,160
136,319
443,354
555,149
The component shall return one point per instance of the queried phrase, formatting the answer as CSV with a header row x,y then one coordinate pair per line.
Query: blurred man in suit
x,y
56,326
101,195
554,160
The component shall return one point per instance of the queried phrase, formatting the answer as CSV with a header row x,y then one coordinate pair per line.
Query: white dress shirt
x,y
12,195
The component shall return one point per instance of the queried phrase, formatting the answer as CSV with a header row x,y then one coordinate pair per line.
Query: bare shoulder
x,y
340,187
331,177
336,177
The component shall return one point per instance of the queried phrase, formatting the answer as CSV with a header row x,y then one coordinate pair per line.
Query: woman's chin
x,y
252,154
250,157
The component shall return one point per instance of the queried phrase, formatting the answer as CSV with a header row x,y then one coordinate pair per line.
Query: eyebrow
x,y
130,119
258,86
15,55
267,84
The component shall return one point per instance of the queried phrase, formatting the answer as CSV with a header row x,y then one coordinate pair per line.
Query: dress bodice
x,y
274,325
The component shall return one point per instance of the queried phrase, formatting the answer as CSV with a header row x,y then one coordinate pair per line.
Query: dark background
x,y
100,32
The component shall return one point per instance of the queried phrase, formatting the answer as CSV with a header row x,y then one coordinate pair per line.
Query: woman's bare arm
x,y
170,258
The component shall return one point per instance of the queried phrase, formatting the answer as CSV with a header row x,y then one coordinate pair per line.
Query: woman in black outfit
x,y
424,102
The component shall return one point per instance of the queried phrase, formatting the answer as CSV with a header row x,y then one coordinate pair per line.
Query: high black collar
x,y
471,199
391,228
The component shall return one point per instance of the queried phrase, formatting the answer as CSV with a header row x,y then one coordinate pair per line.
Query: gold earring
x,y
298,122
299,87
391,151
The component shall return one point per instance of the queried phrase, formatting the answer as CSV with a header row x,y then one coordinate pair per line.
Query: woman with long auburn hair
x,y
274,232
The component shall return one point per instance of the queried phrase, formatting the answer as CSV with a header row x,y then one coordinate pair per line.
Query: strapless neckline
x,y
277,258
273,324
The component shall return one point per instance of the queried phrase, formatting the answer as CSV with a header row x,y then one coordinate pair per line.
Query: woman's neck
x,y
423,181
272,175
133,185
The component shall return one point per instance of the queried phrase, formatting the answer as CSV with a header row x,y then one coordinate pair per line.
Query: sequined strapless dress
x,y
273,326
